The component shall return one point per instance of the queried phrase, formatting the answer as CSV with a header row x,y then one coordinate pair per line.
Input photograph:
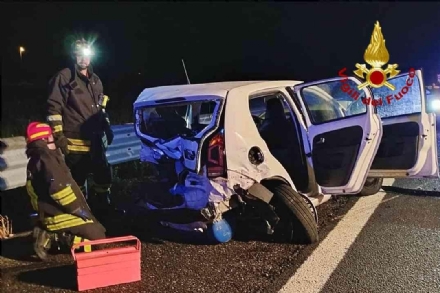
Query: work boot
x,y
42,242
65,241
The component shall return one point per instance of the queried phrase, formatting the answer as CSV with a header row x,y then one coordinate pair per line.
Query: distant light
x,y
435,104
139,73
20,51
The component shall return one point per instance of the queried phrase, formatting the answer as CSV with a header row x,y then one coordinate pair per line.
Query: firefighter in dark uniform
x,y
62,208
81,129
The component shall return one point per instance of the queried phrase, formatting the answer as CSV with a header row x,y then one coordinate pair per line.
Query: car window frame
x,y
331,120
406,114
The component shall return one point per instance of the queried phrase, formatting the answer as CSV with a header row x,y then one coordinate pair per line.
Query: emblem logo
x,y
376,55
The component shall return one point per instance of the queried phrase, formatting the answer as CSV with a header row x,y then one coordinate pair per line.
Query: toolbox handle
x,y
104,241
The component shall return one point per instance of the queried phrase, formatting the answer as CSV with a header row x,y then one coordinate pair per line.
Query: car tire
x,y
371,186
297,223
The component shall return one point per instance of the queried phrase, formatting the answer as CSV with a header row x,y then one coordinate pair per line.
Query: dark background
x,y
141,44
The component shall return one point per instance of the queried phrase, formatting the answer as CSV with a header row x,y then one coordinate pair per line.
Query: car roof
x,y
219,89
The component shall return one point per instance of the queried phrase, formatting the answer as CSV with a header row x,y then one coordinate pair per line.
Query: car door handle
x,y
321,140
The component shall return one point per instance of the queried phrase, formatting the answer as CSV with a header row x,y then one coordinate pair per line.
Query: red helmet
x,y
36,131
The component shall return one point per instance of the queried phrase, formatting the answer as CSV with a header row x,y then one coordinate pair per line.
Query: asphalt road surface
x,y
388,242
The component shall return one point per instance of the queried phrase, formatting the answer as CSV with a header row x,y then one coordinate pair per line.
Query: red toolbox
x,y
106,267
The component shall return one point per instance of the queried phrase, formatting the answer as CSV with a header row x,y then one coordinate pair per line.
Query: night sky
x,y
218,41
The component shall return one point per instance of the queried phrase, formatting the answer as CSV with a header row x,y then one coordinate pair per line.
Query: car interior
x,y
281,134
334,152
398,148
168,122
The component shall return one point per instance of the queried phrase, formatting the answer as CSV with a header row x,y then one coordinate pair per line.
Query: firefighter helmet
x,y
37,130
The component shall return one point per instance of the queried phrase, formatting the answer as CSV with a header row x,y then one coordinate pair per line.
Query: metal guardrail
x,y
13,161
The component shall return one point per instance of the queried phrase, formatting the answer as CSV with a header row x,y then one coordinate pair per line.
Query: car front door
x,y
343,132
409,143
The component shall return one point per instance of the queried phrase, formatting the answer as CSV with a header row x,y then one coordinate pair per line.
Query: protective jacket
x,y
73,109
53,192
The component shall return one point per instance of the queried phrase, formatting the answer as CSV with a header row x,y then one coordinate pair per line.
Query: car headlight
x,y
435,105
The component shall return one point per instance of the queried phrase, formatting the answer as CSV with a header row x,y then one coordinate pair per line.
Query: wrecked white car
x,y
274,150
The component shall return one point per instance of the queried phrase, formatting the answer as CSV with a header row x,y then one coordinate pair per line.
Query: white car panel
x,y
426,162
368,144
245,136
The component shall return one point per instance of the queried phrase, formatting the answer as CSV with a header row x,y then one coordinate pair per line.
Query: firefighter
x,y
78,124
55,196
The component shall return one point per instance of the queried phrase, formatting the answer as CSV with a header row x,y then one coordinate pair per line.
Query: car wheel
x,y
371,186
297,223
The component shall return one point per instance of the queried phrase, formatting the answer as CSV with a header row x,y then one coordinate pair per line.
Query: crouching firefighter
x,y
75,114
62,209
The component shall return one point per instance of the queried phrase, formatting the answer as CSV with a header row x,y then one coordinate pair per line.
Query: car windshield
x,y
184,119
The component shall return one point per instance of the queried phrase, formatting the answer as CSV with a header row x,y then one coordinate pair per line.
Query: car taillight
x,y
216,165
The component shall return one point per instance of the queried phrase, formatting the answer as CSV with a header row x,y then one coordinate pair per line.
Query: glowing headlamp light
x,y
87,52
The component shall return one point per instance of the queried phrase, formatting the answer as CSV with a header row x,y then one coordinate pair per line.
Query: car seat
x,y
280,135
275,126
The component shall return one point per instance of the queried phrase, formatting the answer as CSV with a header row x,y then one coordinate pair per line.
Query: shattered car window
x,y
333,100
399,101
183,119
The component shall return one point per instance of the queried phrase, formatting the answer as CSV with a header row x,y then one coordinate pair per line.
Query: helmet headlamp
x,y
87,52
82,48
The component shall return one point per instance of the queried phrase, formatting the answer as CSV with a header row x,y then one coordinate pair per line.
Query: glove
x,y
61,142
83,214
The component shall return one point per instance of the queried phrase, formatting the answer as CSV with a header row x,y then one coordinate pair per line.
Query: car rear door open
x,y
409,143
343,133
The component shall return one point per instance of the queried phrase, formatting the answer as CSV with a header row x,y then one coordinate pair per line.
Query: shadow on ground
x,y
19,248
46,277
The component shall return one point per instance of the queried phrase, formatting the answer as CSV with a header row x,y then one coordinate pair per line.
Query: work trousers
x,y
90,231
81,166
82,230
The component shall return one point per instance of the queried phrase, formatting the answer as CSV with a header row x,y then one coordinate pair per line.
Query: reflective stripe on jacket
x,y
51,188
72,107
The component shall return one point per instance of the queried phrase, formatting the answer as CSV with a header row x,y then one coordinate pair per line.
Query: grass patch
x,y
127,176
134,169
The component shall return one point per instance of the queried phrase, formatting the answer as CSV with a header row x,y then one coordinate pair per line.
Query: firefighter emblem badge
x,y
376,55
